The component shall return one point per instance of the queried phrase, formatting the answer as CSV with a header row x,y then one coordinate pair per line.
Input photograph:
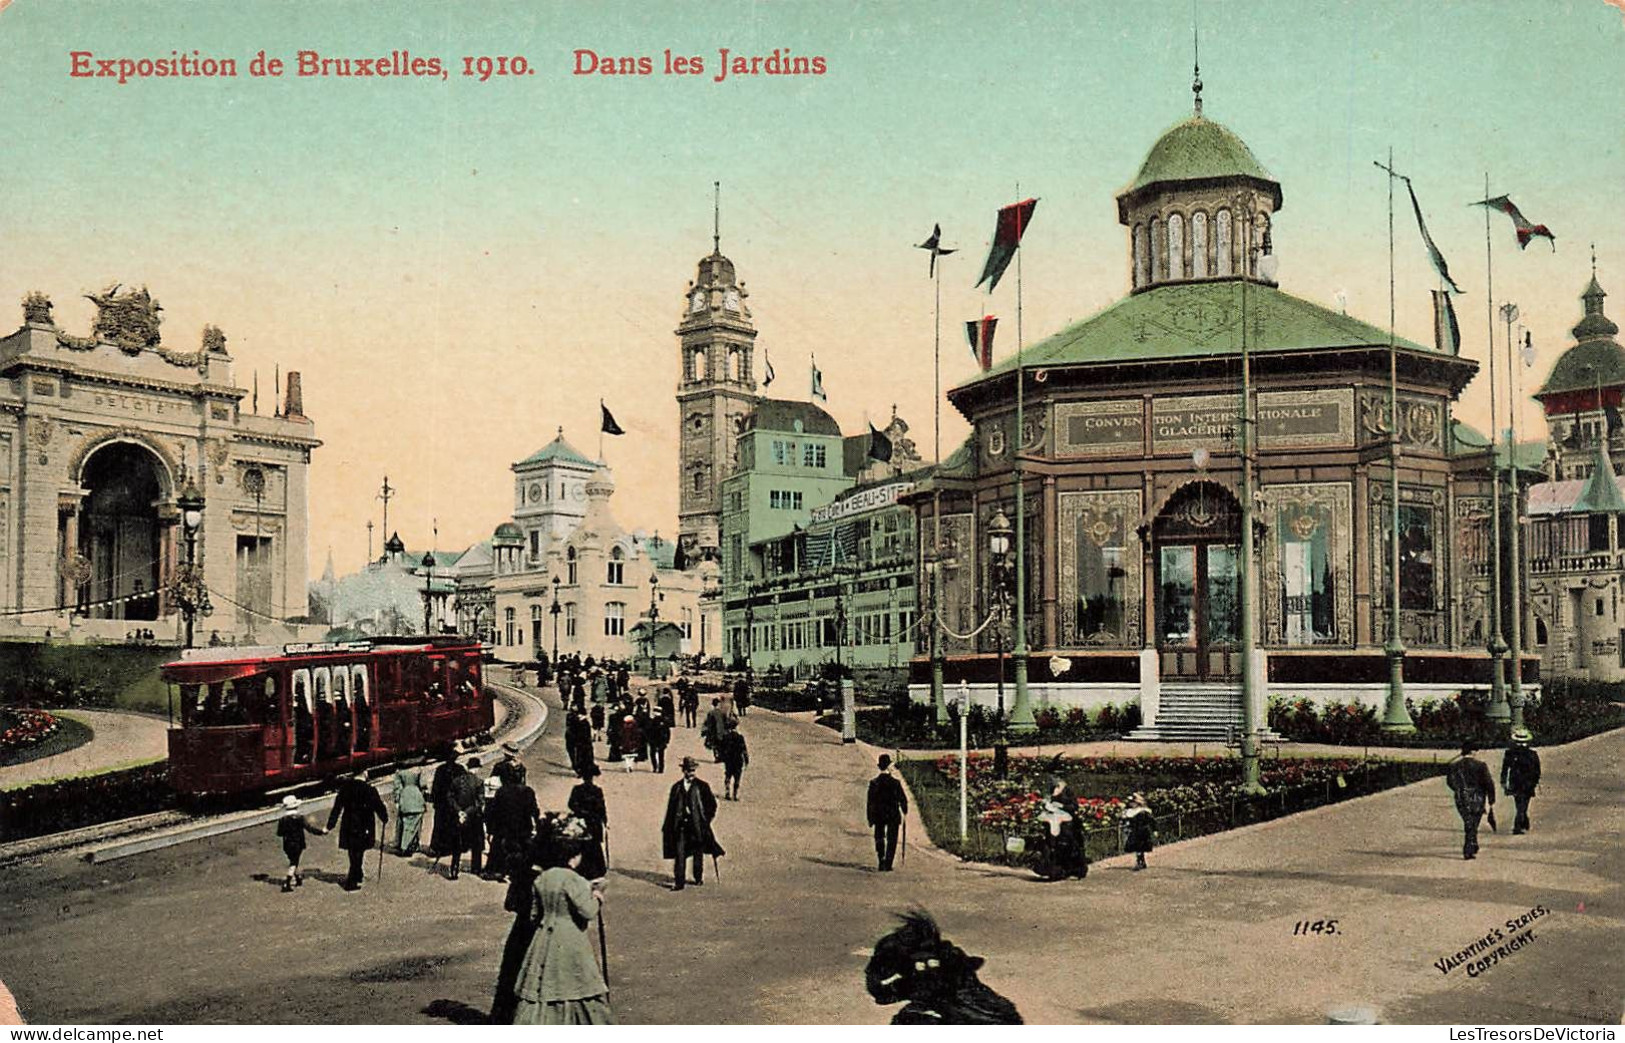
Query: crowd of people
x,y
554,862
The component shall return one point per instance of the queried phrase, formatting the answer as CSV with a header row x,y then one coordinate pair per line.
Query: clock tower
x,y
716,389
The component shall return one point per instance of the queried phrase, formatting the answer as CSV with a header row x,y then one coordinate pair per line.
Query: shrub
x,y
1048,719
51,807
1108,720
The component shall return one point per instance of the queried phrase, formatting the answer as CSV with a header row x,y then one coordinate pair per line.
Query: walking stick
x,y
380,874
603,947
716,867
904,859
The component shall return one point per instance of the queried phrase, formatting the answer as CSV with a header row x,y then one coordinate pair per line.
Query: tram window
x,y
211,711
341,683
303,719
237,699
321,677
363,711
189,704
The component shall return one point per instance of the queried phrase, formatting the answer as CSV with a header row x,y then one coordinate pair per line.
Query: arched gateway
x,y
121,536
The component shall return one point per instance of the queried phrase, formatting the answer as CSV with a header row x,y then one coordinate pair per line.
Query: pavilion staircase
x,y
1190,712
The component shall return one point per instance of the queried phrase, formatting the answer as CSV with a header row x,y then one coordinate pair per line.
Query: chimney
x,y
293,407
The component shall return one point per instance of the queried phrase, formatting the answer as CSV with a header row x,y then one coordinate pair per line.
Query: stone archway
x,y
120,533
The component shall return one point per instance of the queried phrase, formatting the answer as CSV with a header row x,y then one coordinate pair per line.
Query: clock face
x,y
535,493
731,302
697,302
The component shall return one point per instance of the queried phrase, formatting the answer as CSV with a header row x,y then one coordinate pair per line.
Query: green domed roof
x,y
509,531
1199,150
1585,366
1596,359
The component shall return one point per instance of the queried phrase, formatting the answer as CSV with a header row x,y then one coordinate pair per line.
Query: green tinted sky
x,y
485,260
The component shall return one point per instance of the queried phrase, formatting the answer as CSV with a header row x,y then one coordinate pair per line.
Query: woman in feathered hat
x,y
556,981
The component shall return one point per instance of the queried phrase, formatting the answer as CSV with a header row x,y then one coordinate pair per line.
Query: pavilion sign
x,y
865,500
1286,420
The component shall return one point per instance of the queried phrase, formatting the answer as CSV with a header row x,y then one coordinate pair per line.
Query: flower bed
x,y
1188,796
23,729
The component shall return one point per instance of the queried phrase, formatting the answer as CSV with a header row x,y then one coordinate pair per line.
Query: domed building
x,y
1577,517
1132,477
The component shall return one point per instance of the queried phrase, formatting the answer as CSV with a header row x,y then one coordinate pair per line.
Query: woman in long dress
x,y
559,981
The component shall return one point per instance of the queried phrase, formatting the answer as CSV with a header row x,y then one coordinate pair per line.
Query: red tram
x,y
263,718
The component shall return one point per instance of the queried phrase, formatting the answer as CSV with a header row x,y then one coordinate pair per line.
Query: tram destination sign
x,y
1286,420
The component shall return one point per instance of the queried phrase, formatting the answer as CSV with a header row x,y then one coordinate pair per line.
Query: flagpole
x,y
1021,715
1395,717
938,702
1497,710
1509,311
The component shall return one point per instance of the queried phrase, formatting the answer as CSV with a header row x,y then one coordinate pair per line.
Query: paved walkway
x,y
1206,935
120,738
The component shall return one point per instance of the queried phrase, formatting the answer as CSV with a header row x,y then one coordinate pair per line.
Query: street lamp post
x,y
998,545
1509,311
1251,696
654,619
554,612
428,590
193,595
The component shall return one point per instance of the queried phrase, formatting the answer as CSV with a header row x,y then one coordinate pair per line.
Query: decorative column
x,y
1051,577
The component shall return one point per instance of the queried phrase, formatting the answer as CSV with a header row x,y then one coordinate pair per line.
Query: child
x,y
1137,827
291,828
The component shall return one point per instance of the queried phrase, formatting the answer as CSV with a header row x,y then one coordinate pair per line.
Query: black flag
x,y
934,244
879,445
609,426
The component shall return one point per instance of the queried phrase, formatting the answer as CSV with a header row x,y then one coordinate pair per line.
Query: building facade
x,y
815,568
99,437
1575,543
1131,476
608,580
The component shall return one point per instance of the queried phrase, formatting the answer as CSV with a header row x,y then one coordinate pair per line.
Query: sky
x,y
460,267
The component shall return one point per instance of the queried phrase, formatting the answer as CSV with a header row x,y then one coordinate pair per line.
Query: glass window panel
x,y
1416,558
1306,580
1102,578
1223,595
1199,245
1176,603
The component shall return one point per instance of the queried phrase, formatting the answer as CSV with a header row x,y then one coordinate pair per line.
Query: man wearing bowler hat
x,y
686,832
887,806
1469,779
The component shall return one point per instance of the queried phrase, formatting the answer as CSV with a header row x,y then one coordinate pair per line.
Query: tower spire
x,y
1196,52
716,217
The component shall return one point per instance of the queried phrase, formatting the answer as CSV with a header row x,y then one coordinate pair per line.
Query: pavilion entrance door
x,y
1198,585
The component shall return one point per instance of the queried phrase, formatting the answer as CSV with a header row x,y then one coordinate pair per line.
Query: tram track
x,y
523,722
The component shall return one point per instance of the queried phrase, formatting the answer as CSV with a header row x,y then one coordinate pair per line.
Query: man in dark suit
x,y
1469,779
356,805
686,832
887,806
1520,774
